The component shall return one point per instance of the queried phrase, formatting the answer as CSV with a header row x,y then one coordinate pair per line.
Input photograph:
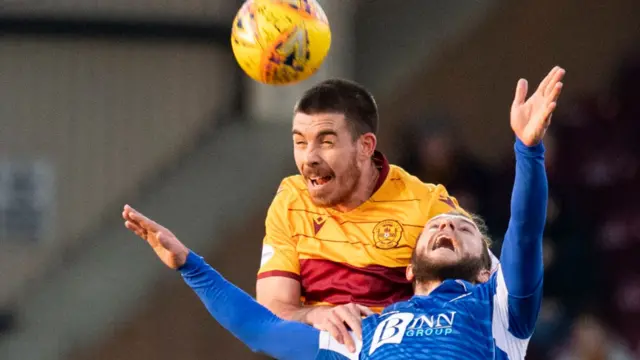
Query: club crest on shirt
x,y
387,234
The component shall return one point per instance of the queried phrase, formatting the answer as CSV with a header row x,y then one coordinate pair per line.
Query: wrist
x,y
182,256
521,147
312,314
189,262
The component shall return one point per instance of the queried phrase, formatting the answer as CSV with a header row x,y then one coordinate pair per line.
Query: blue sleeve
x,y
521,259
246,319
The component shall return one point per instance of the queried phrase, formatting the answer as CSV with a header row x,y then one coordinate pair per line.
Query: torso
x,y
361,256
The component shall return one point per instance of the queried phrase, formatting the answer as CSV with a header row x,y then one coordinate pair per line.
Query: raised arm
x,y
521,258
519,283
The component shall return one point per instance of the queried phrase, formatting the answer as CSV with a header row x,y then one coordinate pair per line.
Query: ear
x,y
484,276
368,144
409,273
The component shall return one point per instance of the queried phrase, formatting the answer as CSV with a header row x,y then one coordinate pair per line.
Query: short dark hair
x,y
342,97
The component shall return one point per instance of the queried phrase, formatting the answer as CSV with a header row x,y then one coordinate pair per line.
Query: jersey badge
x,y
387,234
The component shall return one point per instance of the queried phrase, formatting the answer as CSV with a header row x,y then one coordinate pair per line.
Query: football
x,y
279,42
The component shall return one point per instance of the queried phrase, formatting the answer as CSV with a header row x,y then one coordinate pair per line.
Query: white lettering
x,y
390,331
449,320
431,321
395,327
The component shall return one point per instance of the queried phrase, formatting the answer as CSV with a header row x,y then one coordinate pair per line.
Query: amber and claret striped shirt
x,y
358,256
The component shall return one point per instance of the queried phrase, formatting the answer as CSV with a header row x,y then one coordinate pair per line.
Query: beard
x,y
467,269
341,188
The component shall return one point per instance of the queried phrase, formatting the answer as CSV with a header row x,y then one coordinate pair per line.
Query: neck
x,y
364,189
426,287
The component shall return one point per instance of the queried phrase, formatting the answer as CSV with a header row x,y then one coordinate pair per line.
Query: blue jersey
x,y
457,320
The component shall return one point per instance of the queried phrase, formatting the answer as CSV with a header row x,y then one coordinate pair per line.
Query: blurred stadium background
x,y
140,101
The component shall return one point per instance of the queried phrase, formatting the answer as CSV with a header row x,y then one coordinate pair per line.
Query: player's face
x,y
450,246
327,157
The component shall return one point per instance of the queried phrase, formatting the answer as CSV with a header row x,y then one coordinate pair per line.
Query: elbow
x,y
526,326
276,308
283,310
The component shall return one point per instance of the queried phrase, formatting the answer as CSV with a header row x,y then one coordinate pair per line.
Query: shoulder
x,y
292,184
486,290
412,185
291,189
396,307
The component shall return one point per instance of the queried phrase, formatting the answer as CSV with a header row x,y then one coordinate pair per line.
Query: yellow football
x,y
280,42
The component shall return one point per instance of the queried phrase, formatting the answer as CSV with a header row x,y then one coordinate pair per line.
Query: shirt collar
x,y
382,164
448,290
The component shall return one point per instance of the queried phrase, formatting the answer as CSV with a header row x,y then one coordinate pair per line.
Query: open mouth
x,y
443,242
319,181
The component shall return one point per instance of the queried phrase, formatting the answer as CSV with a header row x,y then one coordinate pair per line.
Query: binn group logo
x,y
400,325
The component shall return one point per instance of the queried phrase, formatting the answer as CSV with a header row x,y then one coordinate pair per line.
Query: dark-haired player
x,y
342,231
460,310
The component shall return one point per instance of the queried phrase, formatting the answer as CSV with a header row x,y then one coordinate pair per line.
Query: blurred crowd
x,y
591,308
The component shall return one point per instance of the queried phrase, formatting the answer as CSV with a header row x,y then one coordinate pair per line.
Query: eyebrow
x,y
321,133
464,219
469,222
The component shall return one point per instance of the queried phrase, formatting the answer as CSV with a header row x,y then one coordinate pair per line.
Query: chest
x,y
458,329
381,230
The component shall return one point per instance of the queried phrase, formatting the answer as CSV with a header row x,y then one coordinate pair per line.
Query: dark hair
x,y
343,97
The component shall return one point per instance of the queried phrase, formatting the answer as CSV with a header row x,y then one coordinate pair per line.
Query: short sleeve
x,y
279,254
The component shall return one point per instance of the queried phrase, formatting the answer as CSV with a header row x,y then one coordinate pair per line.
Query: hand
x,y
531,118
335,321
168,248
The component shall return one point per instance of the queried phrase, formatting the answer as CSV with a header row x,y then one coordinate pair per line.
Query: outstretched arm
x,y
519,283
236,311
240,314
521,259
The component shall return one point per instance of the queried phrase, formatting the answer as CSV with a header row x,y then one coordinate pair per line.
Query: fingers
x,y
338,330
350,314
132,215
365,310
333,330
551,104
556,76
547,80
135,228
549,111
342,318
138,223
521,92
554,93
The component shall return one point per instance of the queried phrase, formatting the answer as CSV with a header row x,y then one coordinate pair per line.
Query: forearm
x,y
521,258
249,321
